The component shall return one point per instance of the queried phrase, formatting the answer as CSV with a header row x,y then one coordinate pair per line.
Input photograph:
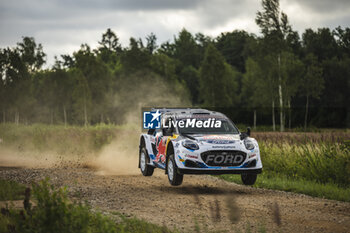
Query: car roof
x,y
191,112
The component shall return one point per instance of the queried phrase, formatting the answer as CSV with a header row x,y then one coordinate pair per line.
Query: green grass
x,y
320,162
54,212
137,225
58,138
296,185
316,169
10,190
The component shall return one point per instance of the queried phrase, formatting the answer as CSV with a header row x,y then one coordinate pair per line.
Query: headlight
x,y
189,144
249,144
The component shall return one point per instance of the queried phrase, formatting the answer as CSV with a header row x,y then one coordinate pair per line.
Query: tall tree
x,y
32,55
109,48
151,43
17,66
321,43
136,57
191,77
313,82
216,79
232,46
81,97
292,70
186,49
98,78
253,88
275,27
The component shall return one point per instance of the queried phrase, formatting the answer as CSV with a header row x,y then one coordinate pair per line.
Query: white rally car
x,y
193,141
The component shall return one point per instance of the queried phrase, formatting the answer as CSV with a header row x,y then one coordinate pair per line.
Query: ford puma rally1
x,y
198,141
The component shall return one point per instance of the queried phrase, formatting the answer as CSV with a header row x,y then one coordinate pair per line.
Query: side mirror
x,y
245,134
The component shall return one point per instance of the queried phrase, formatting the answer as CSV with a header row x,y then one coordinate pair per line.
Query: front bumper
x,y
218,171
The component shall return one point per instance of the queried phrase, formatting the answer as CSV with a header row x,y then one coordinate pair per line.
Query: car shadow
x,y
204,190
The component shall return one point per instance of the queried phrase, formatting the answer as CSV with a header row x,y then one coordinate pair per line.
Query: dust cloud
x,y
12,157
120,157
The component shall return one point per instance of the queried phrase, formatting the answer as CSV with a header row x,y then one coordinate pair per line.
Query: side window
x,y
151,131
168,128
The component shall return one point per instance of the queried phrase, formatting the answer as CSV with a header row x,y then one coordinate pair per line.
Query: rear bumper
x,y
218,171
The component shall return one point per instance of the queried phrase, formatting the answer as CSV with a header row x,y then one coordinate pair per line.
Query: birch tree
x,y
275,28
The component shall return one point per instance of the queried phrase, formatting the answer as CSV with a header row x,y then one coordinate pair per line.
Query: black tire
x,y
248,178
174,177
146,170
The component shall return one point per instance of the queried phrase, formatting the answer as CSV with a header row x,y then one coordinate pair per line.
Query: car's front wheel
x,y
147,170
174,177
248,178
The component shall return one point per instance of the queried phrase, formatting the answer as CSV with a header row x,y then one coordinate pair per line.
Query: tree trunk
x,y
280,96
51,117
273,116
289,115
306,112
254,119
3,116
65,116
85,114
17,117
102,118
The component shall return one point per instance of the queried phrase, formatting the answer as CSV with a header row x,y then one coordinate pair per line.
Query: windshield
x,y
226,127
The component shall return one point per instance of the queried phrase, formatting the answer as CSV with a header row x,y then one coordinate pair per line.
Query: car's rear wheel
x,y
174,177
248,178
146,170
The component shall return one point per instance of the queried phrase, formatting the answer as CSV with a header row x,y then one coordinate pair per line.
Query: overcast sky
x,y
62,25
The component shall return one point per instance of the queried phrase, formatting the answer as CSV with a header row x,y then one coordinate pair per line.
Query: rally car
x,y
193,141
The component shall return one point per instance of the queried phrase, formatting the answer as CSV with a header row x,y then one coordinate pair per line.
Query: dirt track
x,y
213,203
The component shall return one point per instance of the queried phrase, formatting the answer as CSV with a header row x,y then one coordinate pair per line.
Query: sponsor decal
x,y
161,147
217,139
193,123
252,156
223,147
192,156
151,120
224,159
220,141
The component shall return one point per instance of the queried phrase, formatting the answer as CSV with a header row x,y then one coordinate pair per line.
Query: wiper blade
x,y
188,136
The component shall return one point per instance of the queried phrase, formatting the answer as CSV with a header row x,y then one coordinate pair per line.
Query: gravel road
x,y
214,204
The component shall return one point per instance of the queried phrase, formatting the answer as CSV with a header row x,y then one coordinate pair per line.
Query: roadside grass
x,y
133,224
316,169
296,185
63,140
55,212
10,190
319,162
